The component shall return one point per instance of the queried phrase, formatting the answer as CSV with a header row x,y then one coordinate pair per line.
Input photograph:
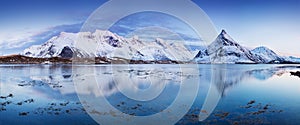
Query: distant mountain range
x,y
107,47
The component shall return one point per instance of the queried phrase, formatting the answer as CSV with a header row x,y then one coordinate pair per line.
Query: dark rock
x,y
134,107
251,102
2,109
29,101
249,106
296,73
222,115
64,104
19,103
19,59
4,103
10,95
67,53
266,107
23,113
2,97
259,112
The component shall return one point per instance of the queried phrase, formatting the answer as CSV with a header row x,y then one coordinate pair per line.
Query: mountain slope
x,y
109,45
267,55
106,46
291,59
225,50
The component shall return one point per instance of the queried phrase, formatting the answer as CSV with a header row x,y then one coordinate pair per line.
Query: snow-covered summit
x,y
107,44
110,45
266,54
226,50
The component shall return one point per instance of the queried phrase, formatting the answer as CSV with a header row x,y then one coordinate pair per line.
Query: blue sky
x,y
272,23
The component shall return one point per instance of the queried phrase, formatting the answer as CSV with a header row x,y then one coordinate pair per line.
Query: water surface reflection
x,y
219,93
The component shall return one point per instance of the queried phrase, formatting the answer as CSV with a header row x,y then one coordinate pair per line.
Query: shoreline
x,y
20,59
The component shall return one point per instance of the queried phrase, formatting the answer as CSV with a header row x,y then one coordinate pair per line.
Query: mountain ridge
x,y
226,50
107,47
107,44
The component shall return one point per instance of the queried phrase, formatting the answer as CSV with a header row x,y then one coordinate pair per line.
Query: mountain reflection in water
x,y
149,88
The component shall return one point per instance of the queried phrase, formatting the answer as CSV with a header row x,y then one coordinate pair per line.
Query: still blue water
x,y
149,94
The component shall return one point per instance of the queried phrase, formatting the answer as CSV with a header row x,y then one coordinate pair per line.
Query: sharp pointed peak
x,y
223,31
225,37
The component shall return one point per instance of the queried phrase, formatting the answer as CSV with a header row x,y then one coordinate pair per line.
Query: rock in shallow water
x,y
296,73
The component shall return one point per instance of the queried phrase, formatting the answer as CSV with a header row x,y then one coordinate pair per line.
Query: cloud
x,y
11,39
138,21
16,41
173,29
53,31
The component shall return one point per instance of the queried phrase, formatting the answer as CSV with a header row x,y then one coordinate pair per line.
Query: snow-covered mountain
x,y
225,50
109,45
292,59
266,55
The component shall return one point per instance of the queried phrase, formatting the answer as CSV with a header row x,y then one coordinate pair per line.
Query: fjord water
x,y
71,94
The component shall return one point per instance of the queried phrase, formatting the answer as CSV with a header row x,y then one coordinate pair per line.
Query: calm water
x,y
149,94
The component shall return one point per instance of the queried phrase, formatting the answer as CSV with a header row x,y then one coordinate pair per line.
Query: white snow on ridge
x,y
225,50
107,44
292,59
266,54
